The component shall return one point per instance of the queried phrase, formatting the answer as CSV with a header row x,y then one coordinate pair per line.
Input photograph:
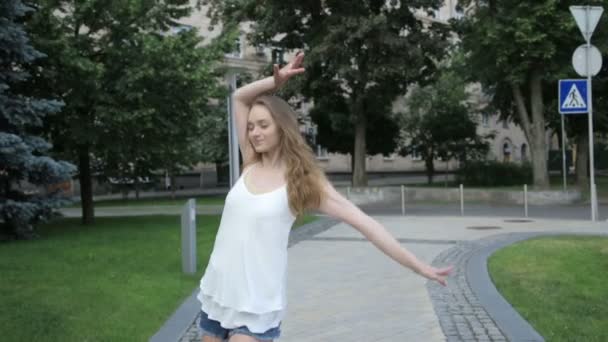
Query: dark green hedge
x,y
494,173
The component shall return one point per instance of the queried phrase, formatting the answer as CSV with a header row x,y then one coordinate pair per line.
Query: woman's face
x,y
262,129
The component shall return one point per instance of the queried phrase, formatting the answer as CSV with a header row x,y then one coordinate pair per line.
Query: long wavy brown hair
x,y
304,177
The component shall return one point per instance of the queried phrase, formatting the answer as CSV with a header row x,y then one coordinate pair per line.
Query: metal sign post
x,y
586,18
572,99
564,171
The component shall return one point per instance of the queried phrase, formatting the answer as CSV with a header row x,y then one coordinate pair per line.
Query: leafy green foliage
x,y
438,123
161,104
494,173
360,57
518,50
137,93
25,165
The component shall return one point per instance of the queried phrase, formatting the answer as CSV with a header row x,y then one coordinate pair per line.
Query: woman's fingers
x,y
440,274
295,71
297,62
445,270
293,68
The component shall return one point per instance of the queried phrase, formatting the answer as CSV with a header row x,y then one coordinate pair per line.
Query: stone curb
x,y
182,327
513,326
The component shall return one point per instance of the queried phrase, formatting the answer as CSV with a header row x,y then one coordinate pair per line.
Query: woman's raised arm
x,y
244,97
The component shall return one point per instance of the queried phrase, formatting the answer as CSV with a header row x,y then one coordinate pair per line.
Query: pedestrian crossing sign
x,y
573,96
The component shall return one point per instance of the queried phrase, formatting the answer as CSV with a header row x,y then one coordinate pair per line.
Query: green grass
x,y
304,220
118,280
201,200
558,284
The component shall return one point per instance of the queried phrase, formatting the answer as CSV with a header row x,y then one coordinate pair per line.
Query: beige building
x,y
509,144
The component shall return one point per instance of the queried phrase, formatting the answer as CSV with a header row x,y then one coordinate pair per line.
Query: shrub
x,y
494,173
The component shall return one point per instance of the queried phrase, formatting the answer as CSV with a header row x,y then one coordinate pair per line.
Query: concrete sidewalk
x,y
341,288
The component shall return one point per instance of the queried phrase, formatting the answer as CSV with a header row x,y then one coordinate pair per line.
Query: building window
x,y
506,151
321,152
180,28
416,155
524,152
505,124
312,132
485,119
389,158
259,50
277,57
237,51
457,12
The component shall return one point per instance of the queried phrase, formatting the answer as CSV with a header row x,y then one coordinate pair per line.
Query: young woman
x,y
243,291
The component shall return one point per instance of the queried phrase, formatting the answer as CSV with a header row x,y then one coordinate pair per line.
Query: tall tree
x,y
161,88
518,50
438,123
106,63
336,130
360,55
24,158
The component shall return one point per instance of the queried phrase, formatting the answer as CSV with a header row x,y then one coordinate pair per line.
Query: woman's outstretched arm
x,y
244,97
335,205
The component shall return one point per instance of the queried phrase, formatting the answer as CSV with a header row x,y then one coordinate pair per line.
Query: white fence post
x,y
526,200
403,200
461,200
189,237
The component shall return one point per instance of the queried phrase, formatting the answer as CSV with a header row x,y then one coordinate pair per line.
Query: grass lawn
x,y
558,284
118,280
179,201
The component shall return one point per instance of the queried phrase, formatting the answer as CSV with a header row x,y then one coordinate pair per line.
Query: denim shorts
x,y
213,328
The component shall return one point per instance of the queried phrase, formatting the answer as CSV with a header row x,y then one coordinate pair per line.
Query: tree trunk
x,y
430,169
582,161
172,177
124,191
359,175
534,127
352,162
136,185
539,163
86,185
447,171
6,231
560,138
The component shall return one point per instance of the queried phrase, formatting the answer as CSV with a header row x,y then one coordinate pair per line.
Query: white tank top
x,y
245,281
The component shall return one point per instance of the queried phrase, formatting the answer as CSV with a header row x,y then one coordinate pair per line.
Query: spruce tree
x,y
26,169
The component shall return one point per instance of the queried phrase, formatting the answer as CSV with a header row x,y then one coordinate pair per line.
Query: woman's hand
x,y
436,274
285,73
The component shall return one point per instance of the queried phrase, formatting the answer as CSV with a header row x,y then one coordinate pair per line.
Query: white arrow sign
x,y
586,15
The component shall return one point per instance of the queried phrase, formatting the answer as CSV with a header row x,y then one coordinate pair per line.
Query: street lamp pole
x,y
233,142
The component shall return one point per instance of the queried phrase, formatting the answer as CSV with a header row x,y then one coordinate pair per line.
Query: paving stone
x,y
462,301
